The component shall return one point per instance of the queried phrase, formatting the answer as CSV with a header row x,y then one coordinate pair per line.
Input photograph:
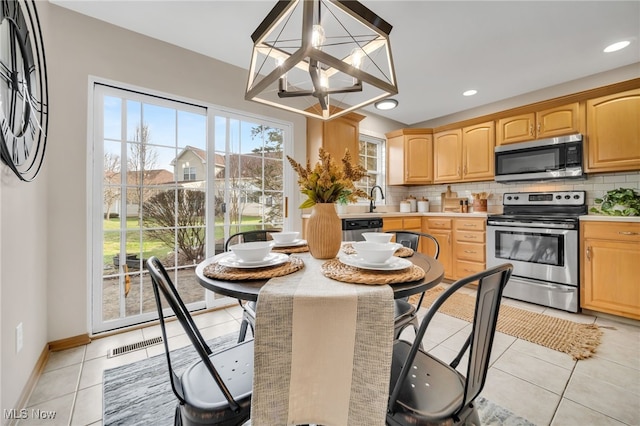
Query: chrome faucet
x,y
372,203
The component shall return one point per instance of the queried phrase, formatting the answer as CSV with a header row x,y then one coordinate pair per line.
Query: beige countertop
x,y
604,218
364,215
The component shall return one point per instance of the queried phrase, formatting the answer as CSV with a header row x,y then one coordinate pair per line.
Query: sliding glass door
x,y
173,180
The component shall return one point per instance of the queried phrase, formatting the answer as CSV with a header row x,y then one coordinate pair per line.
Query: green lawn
x,y
111,237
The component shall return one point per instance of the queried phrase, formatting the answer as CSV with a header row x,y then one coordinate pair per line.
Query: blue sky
x,y
171,130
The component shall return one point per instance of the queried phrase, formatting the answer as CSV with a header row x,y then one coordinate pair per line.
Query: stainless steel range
x,y
538,234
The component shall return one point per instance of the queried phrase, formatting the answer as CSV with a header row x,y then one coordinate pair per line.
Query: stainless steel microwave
x,y
540,160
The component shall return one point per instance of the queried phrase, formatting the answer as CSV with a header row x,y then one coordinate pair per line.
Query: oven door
x,y
549,255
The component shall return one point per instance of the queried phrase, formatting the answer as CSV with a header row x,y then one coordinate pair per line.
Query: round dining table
x,y
249,289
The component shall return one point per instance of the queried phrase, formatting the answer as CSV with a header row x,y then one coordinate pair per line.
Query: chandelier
x,y
321,58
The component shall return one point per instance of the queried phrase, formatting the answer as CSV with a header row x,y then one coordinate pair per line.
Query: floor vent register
x,y
133,347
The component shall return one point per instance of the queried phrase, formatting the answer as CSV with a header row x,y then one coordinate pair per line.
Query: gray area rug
x,y
140,393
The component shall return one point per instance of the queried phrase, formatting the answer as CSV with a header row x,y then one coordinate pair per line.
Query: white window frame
x,y
95,180
380,176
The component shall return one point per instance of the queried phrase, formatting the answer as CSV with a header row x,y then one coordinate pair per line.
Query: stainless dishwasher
x,y
352,229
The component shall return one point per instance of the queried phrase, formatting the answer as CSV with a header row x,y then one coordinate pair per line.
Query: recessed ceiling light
x,y
470,92
616,46
386,104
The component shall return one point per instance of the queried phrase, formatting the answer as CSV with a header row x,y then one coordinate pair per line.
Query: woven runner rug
x,y
576,339
140,393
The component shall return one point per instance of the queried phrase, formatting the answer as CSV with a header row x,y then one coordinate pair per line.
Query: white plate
x,y
295,243
392,264
272,259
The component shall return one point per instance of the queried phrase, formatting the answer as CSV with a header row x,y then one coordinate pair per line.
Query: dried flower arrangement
x,y
328,181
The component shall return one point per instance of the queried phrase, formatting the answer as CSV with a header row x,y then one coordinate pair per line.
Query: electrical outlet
x,y
19,340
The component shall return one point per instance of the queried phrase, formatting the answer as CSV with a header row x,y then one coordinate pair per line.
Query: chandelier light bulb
x,y
356,57
317,37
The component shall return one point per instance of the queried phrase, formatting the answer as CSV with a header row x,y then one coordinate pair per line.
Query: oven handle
x,y
531,224
563,288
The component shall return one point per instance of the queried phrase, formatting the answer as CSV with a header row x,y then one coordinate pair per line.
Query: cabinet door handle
x,y
449,238
469,251
589,253
458,170
471,237
531,129
627,233
472,225
539,128
465,169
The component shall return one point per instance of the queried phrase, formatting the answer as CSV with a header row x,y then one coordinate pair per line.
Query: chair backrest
x,y
411,239
249,236
491,283
162,284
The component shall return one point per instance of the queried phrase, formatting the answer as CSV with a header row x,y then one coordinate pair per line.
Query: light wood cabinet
x,y
613,132
409,223
469,246
447,157
409,157
558,121
478,145
334,136
464,155
610,268
440,228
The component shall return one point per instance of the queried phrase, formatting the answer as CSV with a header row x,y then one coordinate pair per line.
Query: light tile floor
x,y
542,385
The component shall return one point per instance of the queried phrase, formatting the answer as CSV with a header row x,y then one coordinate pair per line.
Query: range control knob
x,y
509,197
576,197
516,198
558,197
566,197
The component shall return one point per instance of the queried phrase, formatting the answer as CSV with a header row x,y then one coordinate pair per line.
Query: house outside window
x,y
189,173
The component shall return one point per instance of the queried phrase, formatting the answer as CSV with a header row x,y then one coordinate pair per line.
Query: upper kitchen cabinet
x,y
447,155
334,136
548,123
410,157
464,155
613,132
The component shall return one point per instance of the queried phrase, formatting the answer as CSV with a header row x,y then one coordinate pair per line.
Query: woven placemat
x,y
219,272
292,249
337,270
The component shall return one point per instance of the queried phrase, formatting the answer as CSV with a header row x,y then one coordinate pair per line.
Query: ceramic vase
x,y
324,231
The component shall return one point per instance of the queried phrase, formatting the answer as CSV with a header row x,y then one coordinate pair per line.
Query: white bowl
x,y
284,237
252,252
378,237
375,252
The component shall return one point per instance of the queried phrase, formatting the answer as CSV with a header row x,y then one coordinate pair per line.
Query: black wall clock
x,y
23,89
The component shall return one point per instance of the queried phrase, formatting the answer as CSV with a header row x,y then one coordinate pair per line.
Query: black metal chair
x,y
426,390
249,308
216,389
406,314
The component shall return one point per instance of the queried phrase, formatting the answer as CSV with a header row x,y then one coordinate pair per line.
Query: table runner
x,y
322,351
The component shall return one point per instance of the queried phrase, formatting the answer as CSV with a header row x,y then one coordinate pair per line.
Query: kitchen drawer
x,y
412,223
392,224
470,224
470,251
470,236
464,268
441,223
616,231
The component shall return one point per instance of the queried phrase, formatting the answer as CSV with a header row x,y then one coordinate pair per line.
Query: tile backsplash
x,y
596,185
